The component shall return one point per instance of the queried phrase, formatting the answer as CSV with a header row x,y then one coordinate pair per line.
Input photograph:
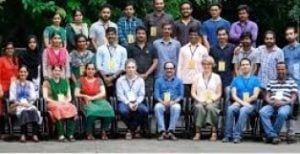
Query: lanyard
x,y
130,26
130,85
110,52
206,83
193,51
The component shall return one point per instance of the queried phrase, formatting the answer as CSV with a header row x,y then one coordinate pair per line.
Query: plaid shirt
x,y
126,27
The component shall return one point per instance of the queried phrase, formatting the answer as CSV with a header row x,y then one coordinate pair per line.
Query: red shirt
x,y
8,70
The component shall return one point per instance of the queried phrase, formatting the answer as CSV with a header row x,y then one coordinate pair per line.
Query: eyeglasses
x,y
169,68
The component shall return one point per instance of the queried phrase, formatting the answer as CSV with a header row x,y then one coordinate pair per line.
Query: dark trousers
x,y
35,128
133,119
187,90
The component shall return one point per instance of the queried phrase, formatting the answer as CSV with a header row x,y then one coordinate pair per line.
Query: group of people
x,y
169,60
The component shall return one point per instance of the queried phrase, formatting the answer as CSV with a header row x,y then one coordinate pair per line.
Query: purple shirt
x,y
238,28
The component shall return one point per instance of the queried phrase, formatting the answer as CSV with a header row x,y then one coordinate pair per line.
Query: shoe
x,y
291,139
90,137
197,137
275,140
161,136
213,137
172,136
61,138
104,136
71,138
225,140
128,136
236,141
35,138
23,138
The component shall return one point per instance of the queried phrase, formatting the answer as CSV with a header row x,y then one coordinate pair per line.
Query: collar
x,y
219,46
251,49
248,76
164,42
112,45
190,44
137,45
218,19
166,79
273,49
241,23
162,14
101,22
191,20
132,19
293,46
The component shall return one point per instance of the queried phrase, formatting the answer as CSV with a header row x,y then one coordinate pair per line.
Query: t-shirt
x,y
245,85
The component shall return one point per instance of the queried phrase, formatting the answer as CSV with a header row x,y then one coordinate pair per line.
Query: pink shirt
x,y
187,54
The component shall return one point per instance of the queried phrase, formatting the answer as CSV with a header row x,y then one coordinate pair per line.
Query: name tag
x,y
153,31
61,97
130,38
81,70
221,66
246,96
192,64
23,100
167,97
111,64
207,94
131,96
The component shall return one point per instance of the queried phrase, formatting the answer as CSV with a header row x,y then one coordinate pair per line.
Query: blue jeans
x,y
160,109
133,119
281,113
241,114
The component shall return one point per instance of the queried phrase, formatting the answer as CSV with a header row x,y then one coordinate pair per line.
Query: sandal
x,y
104,136
90,137
197,137
213,136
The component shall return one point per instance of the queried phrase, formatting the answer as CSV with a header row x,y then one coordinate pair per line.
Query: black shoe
x,y
291,139
275,140
236,141
225,140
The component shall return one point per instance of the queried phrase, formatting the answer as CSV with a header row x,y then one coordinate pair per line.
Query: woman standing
x,y
56,55
79,57
57,94
206,91
32,58
75,28
55,28
22,97
91,91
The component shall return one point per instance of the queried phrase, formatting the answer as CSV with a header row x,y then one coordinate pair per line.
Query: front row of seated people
x,y
133,108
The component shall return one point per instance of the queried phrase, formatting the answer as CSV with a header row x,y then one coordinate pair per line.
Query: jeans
x,y
133,119
241,114
160,109
281,113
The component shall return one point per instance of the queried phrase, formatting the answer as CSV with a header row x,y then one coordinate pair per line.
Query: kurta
x,y
98,107
60,110
78,61
8,70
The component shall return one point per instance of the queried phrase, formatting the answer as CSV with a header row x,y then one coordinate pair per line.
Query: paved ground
x,y
153,146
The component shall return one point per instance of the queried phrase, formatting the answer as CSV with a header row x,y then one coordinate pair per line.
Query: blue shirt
x,y
174,86
292,59
224,55
110,60
210,27
126,27
166,51
245,85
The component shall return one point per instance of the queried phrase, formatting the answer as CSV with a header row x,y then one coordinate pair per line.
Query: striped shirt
x,y
282,90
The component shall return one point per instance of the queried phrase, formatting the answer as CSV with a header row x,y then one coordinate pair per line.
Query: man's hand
x,y
132,106
246,103
144,76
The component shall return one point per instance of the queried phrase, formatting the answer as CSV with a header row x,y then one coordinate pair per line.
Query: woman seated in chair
x,y
206,92
56,91
91,92
22,97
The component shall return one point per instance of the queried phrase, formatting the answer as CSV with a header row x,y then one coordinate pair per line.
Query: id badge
x,y
111,64
246,96
191,64
221,66
61,97
81,70
153,31
167,97
130,38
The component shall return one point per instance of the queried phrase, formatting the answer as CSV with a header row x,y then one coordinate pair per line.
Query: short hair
x,y
220,29
111,29
270,32
105,6
219,5
78,36
208,59
282,63
245,59
194,30
243,7
129,3
246,35
138,28
165,24
186,2
169,62
291,27
130,60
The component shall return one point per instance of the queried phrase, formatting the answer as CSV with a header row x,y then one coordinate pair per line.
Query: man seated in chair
x,y
245,90
131,99
168,91
281,94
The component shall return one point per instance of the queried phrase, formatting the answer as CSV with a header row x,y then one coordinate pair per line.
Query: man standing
x,y
281,94
127,25
97,30
270,55
167,48
168,92
146,58
210,26
243,25
154,20
244,91
110,60
245,50
189,61
187,22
